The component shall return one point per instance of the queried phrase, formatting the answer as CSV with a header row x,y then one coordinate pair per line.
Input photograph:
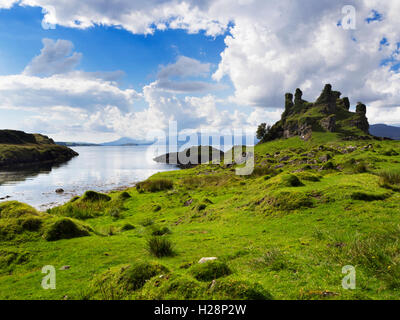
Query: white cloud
x,y
273,47
56,57
182,69
7,4
23,91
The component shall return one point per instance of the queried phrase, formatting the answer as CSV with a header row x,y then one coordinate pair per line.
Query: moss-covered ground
x,y
285,232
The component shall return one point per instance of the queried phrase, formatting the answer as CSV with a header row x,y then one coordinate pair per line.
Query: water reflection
x,y
96,168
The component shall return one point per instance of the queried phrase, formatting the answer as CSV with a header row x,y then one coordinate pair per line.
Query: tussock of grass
x,y
233,289
160,247
263,171
65,229
15,209
210,270
286,200
273,259
365,196
155,185
308,176
157,231
92,196
390,177
361,167
117,283
124,196
127,227
285,180
172,287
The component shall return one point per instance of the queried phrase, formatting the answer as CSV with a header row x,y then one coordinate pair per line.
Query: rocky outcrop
x,y
329,113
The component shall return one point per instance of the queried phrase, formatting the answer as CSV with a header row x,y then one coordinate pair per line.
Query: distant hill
x,y
385,131
76,144
18,148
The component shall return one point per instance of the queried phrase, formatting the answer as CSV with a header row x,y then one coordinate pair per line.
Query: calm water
x,y
96,168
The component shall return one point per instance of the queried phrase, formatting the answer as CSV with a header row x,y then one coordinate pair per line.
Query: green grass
x,y
279,238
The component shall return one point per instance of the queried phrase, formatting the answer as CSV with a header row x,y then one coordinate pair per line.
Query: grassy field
x,y
284,232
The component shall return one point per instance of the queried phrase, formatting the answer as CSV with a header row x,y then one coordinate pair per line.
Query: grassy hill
x,y
18,148
285,232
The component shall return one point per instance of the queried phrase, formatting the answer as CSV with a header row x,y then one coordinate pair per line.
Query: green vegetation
x,y
210,270
281,233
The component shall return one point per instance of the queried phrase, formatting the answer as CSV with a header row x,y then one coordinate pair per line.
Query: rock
x,y
351,149
361,108
65,268
60,190
204,260
279,166
325,158
285,158
329,123
4,198
188,202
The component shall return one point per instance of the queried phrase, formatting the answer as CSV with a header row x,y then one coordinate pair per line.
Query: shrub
x,y
92,196
65,229
364,196
160,247
15,209
210,270
231,289
154,185
127,227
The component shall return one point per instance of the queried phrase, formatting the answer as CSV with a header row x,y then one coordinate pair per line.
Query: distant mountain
x,y
125,141
385,131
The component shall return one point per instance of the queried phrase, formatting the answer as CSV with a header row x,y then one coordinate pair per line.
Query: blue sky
x,y
124,68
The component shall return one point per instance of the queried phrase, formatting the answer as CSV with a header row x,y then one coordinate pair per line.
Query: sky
x,y
98,70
